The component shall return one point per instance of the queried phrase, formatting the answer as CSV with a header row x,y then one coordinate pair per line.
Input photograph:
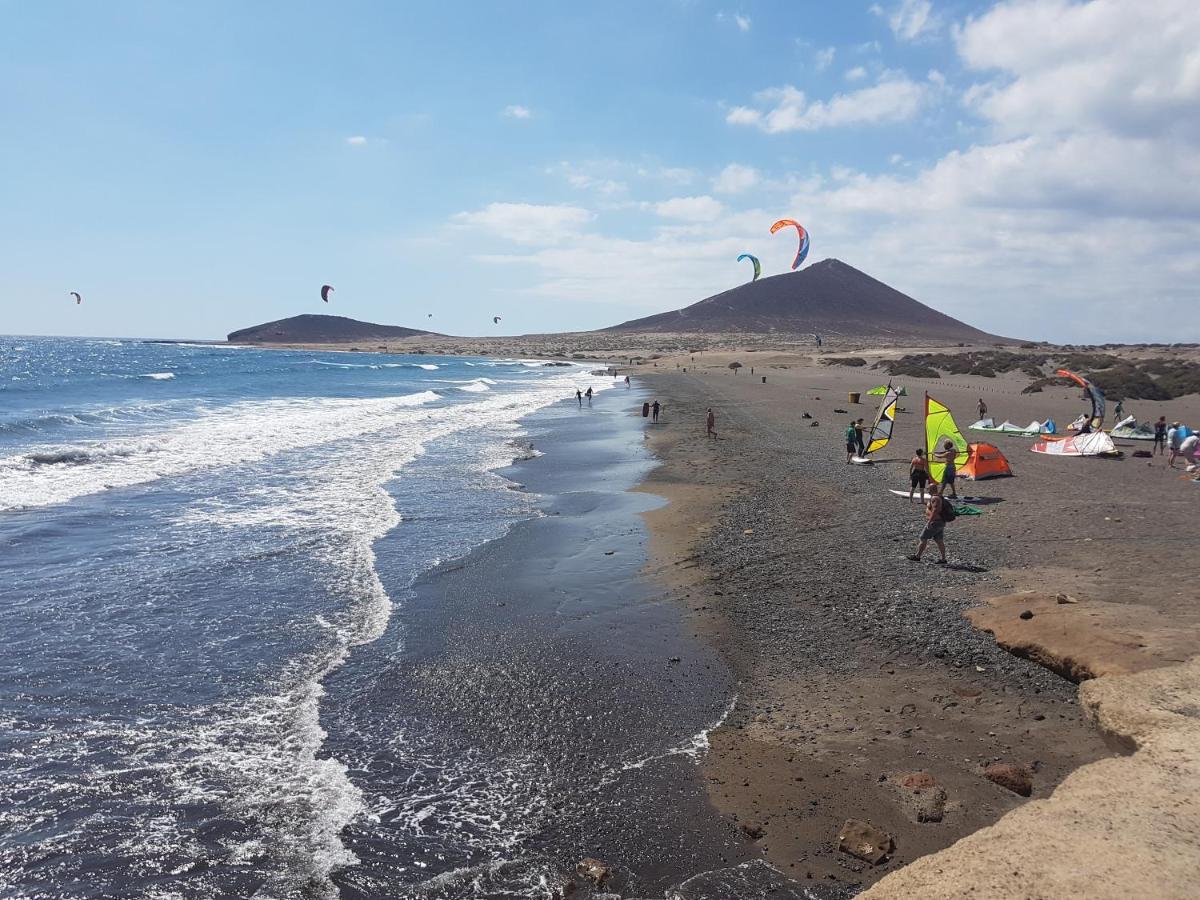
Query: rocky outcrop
x,y
1128,826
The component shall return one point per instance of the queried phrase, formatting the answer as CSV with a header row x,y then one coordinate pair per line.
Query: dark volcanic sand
x,y
855,666
537,701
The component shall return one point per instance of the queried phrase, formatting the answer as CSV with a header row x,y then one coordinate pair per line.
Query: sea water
x,y
187,553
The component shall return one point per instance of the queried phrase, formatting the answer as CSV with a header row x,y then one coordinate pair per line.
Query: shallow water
x,y
235,667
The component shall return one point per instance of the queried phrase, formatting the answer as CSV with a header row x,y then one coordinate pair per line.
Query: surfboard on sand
x,y
961,498
862,461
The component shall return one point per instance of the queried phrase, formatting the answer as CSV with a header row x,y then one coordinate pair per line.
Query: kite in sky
x,y
802,252
757,266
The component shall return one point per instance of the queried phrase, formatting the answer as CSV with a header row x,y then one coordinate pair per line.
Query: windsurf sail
x,y
885,420
939,428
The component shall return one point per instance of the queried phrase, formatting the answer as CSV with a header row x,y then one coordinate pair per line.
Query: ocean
x,y
291,624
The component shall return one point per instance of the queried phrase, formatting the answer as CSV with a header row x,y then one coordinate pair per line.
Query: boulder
x,y
923,799
864,841
593,870
1009,776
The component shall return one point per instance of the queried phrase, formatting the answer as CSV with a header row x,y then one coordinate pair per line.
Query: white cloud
x,y
516,111
735,178
591,176
895,98
858,73
704,209
909,19
740,21
526,223
1105,64
823,59
356,140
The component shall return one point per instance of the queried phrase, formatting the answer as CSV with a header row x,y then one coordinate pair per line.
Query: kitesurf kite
x,y
78,299
757,266
326,290
495,320
1091,392
802,252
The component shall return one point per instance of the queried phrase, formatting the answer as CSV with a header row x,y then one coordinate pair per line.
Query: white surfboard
x,y
862,461
961,498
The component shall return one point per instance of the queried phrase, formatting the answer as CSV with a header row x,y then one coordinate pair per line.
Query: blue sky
x,y
1028,166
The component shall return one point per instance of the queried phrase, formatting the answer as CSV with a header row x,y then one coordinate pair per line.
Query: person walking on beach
x,y
982,409
579,397
948,454
710,423
918,474
1119,411
1160,436
936,516
654,408
588,394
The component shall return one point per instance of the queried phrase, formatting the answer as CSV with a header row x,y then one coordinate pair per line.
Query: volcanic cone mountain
x,y
317,329
828,298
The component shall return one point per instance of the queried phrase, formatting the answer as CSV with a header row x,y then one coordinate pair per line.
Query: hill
x,y
316,329
828,298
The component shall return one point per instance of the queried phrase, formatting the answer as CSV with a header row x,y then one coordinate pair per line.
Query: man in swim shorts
x,y
918,474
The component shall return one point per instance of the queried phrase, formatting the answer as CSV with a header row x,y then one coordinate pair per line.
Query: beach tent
x,y
984,461
882,389
1097,443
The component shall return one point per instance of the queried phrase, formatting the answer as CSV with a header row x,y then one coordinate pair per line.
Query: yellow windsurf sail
x,y
881,431
939,428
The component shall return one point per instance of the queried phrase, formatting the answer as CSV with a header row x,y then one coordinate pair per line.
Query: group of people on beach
x,y
1175,441
938,508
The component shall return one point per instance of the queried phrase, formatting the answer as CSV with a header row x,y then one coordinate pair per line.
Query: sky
x,y
1029,166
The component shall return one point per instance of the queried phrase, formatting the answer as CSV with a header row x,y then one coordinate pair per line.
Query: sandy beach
x,y
874,688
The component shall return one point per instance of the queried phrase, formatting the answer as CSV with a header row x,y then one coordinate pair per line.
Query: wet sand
x,y
548,703
857,667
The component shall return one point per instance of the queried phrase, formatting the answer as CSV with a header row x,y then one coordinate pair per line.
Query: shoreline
x,y
804,750
547,660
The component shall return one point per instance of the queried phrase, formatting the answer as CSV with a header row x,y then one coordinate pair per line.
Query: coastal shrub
x,y
853,361
984,371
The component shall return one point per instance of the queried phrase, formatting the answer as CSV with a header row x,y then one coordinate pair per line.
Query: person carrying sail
x,y
852,439
947,455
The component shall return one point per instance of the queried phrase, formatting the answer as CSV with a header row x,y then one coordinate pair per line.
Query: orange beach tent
x,y
984,461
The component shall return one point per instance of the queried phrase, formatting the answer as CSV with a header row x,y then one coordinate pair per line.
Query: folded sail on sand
x,y
940,427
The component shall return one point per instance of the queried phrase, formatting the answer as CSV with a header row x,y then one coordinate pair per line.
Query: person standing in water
x,y
626,382
589,396
918,474
710,423
654,408
579,397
